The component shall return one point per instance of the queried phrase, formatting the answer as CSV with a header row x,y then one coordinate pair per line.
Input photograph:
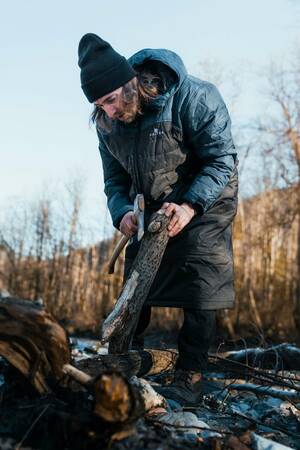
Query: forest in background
x,y
42,256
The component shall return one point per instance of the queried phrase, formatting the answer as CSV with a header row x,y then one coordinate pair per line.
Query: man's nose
x,y
111,111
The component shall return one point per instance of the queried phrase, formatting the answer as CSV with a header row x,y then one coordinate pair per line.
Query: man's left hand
x,y
181,216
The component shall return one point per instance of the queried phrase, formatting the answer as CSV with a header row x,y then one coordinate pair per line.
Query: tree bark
x,y
119,327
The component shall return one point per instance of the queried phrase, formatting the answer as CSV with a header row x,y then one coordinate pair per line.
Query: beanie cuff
x,y
108,81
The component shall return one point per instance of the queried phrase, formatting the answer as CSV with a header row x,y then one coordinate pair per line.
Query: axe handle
x,y
121,244
83,378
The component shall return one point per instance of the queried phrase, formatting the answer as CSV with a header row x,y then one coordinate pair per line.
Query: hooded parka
x,y
179,150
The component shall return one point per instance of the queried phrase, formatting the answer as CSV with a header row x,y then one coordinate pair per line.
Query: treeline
x,y
266,246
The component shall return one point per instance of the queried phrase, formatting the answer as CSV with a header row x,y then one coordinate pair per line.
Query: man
x,y
167,135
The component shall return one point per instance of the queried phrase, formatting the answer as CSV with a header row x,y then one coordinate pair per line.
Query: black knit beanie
x,y
103,70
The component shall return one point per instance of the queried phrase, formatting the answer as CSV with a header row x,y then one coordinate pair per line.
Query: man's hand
x,y
128,224
181,216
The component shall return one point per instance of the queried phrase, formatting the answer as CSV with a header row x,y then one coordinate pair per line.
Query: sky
x,y
45,137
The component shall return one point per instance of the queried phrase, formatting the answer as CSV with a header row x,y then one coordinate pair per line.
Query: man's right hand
x,y
128,225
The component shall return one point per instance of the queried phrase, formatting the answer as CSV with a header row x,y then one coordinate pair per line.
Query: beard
x,y
128,116
129,110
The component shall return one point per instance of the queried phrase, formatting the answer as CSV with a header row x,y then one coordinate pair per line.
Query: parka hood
x,y
167,57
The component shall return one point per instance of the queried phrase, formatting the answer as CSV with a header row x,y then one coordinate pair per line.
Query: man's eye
x,y
110,100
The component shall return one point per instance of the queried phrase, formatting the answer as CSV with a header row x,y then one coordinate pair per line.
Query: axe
x,y
138,210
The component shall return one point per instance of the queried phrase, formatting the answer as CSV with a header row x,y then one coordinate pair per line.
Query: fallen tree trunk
x,y
119,327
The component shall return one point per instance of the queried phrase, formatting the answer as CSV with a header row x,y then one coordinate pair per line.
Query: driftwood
x,y
119,327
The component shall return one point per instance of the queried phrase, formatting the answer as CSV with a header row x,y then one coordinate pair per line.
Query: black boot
x,y
186,388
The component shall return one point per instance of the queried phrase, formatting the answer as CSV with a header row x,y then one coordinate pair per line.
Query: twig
x,y
259,377
294,404
18,446
255,370
265,390
258,422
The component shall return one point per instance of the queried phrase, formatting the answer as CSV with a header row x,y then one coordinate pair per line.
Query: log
x,y
119,327
33,342
139,363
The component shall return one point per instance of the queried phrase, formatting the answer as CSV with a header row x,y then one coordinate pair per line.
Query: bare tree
x,y
280,143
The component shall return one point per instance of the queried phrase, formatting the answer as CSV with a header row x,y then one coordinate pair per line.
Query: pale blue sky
x,y
44,132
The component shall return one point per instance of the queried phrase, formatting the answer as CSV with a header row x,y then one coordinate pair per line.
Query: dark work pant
x,y
194,339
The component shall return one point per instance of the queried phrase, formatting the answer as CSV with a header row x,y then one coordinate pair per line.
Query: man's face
x,y
112,104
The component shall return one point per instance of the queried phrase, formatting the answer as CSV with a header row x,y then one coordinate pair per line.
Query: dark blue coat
x,y
180,149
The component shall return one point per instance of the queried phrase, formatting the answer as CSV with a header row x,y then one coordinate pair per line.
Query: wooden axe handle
x,y
81,377
121,244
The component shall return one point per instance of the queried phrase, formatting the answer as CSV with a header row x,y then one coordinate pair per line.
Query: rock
x,y
261,443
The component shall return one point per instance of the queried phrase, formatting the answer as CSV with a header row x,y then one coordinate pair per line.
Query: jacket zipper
x,y
135,160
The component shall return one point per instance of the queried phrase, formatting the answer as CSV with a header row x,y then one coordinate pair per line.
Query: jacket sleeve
x,y
207,131
117,183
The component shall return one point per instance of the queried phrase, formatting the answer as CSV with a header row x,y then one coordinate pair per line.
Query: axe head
x,y
139,208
